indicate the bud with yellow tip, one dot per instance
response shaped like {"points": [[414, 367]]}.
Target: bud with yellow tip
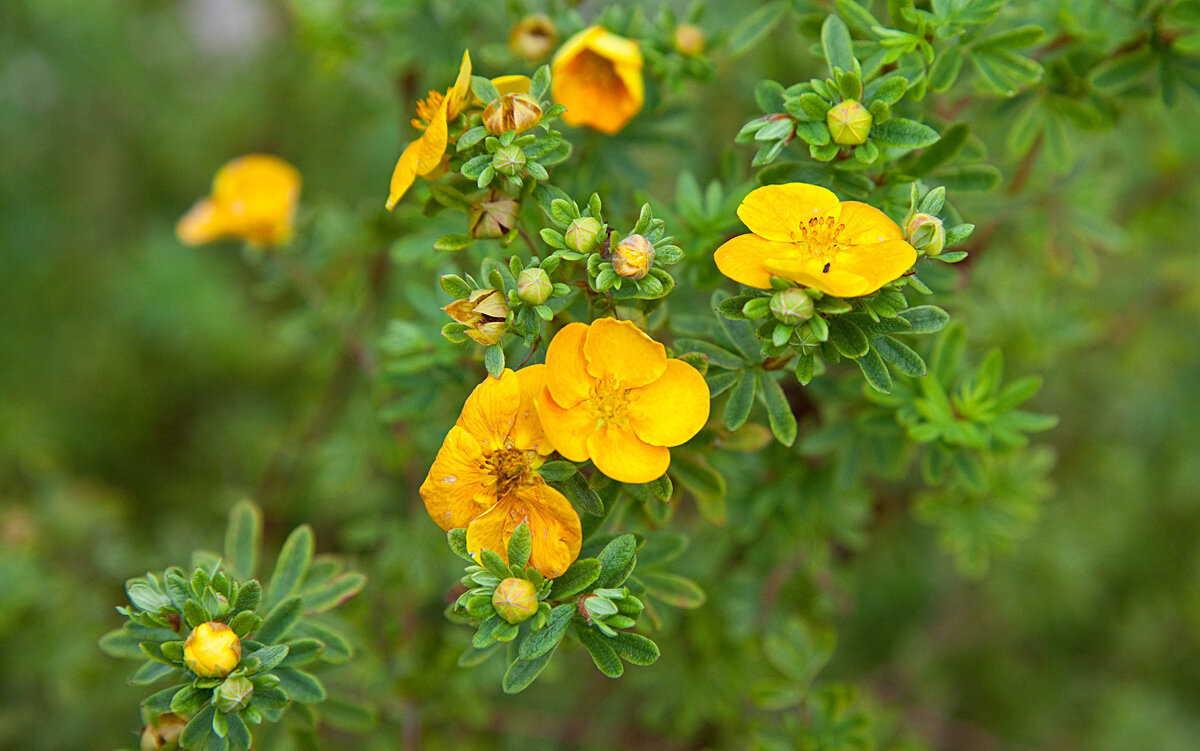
{"points": [[631, 258], [926, 233], [583, 235], [515, 600], [689, 40], [212, 650], [484, 313], [518, 112], [849, 123]]}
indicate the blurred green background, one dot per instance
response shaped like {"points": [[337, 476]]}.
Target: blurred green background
{"points": [[145, 387]]}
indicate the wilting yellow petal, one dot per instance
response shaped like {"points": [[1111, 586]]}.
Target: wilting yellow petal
{"points": [[673, 408], [742, 259], [432, 143], [566, 366], [776, 212], [622, 352], [553, 526], [866, 224], [567, 429], [460, 94], [624, 457], [490, 412], [527, 433], [458, 488]]}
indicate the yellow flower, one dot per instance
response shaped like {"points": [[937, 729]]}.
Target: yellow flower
{"points": [[597, 76], [803, 233], [212, 650], [434, 114], [254, 198], [614, 397], [484, 477]]}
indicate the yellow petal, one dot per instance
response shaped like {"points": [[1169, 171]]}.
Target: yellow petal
{"points": [[810, 271], [490, 412], [458, 489], [624, 457], [621, 351], [527, 433], [567, 429], [673, 408], [404, 174], [742, 258], [515, 84], [566, 366], [775, 212], [203, 223], [432, 143], [866, 224], [458, 96], [553, 526], [597, 76], [576, 44], [878, 263]]}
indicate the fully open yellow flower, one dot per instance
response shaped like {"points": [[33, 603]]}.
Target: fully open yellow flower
{"points": [[254, 198], [803, 233], [597, 76], [485, 475], [613, 396], [434, 114]]}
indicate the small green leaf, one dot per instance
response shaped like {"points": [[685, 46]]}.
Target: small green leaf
{"points": [[875, 372], [805, 369], [521, 673], [520, 545], [484, 89], [545, 639], [242, 538], [899, 354], [495, 565], [635, 648], [302, 652], [300, 686], [265, 658], [279, 620], [835, 41], [902, 133], [848, 338], [579, 576], [672, 589], [741, 400], [617, 560], [925, 319], [198, 728], [493, 360], [291, 566], [605, 657], [754, 27], [451, 242], [783, 422]]}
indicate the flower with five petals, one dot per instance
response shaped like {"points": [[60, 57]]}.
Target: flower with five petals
{"points": [[802, 233]]}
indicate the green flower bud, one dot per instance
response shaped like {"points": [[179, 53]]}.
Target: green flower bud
{"points": [[791, 306], [509, 160], [212, 650], [515, 600], [584, 234], [632, 257], [534, 286], [849, 123], [233, 694], [926, 233]]}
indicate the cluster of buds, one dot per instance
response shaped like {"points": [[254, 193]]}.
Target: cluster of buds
{"points": [[609, 610]]}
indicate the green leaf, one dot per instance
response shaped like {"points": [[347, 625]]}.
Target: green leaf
{"points": [[520, 545], [279, 620], [266, 658], [484, 89], [494, 564], [848, 338], [835, 42], [291, 567], [453, 285], [704, 483], [248, 597], [891, 89], [741, 400], [945, 69], [899, 354], [718, 356], [579, 576], [941, 152], [521, 673], [237, 733], [1123, 71], [151, 672], [457, 540], [925, 319], [300, 686], [672, 589], [1015, 38], [451, 242], [242, 538], [121, 643], [875, 372], [751, 29], [333, 592], [302, 652], [557, 471], [805, 368], [493, 360], [1005, 70], [576, 489], [198, 728], [899, 132], [188, 700], [783, 422], [635, 648], [605, 657], [617, 560], [545, 639]]}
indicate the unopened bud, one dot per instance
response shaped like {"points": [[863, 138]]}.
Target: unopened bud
{"points": [[495, 216], [518, 112], [212, 650], [515, 600], [849, 123], [509, 160], [533, 37], [534, 286], [791, 306], [584, 234], [926, 233], [484, 313], [632, 257], [233, 694], [164, 733], [689, 40]]}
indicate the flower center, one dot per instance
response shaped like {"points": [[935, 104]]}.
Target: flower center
{"points": [[595, 70], [609, 402], [510, 467], [427, 108], [820, 236]]}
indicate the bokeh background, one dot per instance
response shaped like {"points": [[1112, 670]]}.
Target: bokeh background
{"points": [[145, 387]]}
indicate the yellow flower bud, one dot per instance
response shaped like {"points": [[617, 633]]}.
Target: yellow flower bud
{"points": [[534, 286], [791, 306], [849, 123], [533, 37], [584, 234], [632, 257], [515, 600], [485, 314], [233, 694], [926, 232], [212, 650], [518, 112], [163, 733], [494, 217], [689, 40]]}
